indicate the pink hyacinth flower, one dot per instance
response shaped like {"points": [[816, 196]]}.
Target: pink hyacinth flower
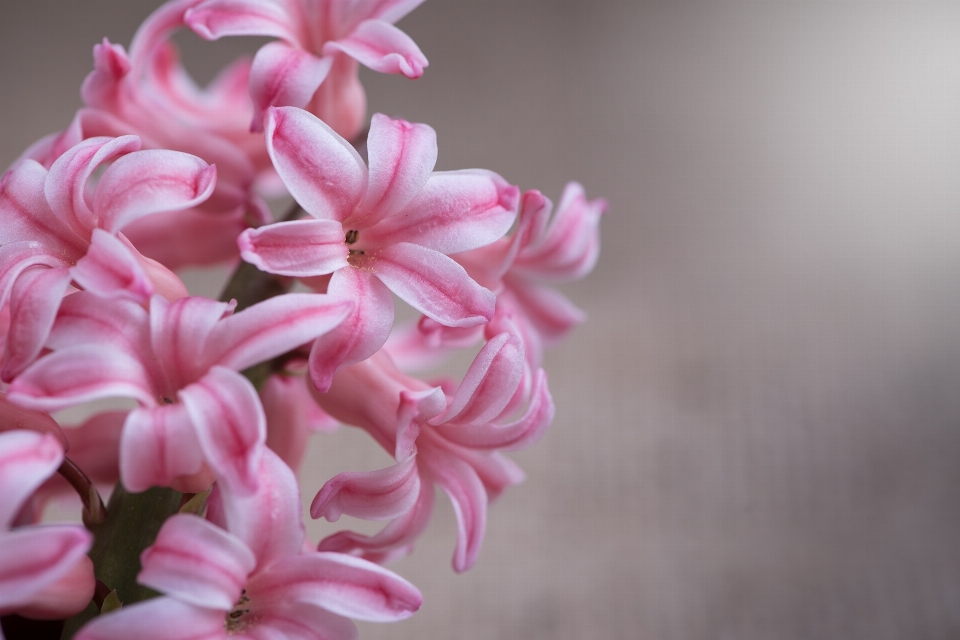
{"points": [[148, 93], [377, 230], [55, 228], [44, 570], [251, 578], [452, 440], [180, 361], [314, 65]]}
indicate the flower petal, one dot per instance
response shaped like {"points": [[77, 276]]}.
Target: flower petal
{"points": [[230, 426], [32, 558], [156, 619], [34, 301], [339, 583], [110, 268], [434, 284], [27, 458], [490, 382], [382, 47], [179, 331], [402, 157], [300, 248], [197, 562], [372, 495], [284, 76], [148, 182], [157, 446], [323, 172], [213, 19], [455, 211], [469, 498]]}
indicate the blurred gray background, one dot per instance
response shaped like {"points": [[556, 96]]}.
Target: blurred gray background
{"points": [[758, 431]]}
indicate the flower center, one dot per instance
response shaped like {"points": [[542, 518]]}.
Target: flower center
{"points": [[239, 619]]}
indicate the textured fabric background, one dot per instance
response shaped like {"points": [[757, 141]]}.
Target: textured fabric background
{"points": [[758, 431]]}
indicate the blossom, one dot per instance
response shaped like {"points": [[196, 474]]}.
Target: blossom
{"points": [[448, 438], [179, 360], [56, 229], [250, 577], [44, 570], [314, 65], [377, 230]]}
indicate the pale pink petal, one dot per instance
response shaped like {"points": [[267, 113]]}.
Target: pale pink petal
{"points": [[415, 407], [382, 47], [13, 417], [186, 238], [197, 562], [298, 621], [33, 558], [518, 434], [361, 334], [341, 101], [213, 19], [399, 534], [70, 594], [548, 310], [179, 333], [27, 458], [455, 211], [230, 426], [434, 285], [34, 301], [339, 583], [66, 183], [489, 383], [110, 65], [323, 172], [496, 471], [25, 215], [284, 76], [372, 495], [72, 376], [157, 446], [268, 521], [460, 482], [149, 182], [87, 318], [300, 248], [111, 268], [95, 446], [157, 619], [402, 157], [286, 407], [18, 257]]}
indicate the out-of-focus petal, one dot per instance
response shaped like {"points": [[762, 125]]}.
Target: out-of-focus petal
{"points": [[402, 157], [323, 172], [68, 595], [361, 334], [34, 301], [148, 182], [469, 498], [230, 426], [299, 621], [339, 583], [284, 76], [434, 284], [214, 19], [353, 13], [13, 418], [286, 406], [548, 310], [157, 446], [197, 562], [300, 248], [372, 495], [455, 211], [27, 458], [33, 558], [179, 331], [382, 47], [157, 619]]}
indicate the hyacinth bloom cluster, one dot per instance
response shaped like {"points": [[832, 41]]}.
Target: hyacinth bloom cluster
{"points": [[154, 174]]}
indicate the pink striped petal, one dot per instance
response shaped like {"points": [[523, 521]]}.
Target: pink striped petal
{"points": [[87, 318], [268, 521], [214, 19], [286, 406], [340, 584], [66, 183], [79, 374], [490, 382], [148, 182], [111, 268], [33, 558], [298, 621], [434, 285], [460, 482], [197, 562], [415, 407], [13, 418], [382, 47], [230, 426], [455, 211], [322, 171], [402, 157], [18, 257], [157, 447], [284, 76], [361, 334], [27, 458], [71, 593], [521, 433], [372, 495], [25, 214], [156, 619], [179, 331], [301, 248], [34, 301]]}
